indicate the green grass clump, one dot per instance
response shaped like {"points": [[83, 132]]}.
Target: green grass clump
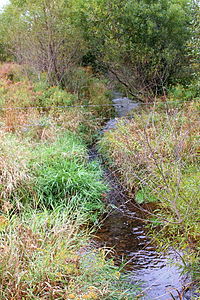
{"points": [[63, 176], [51, 174]]}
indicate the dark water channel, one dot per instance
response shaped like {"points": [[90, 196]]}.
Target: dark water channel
{"points": [[124, 231]]}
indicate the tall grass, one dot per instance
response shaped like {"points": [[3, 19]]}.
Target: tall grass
{"points": [[44, 256], [45, 251], [50, 174], [14, 170]]}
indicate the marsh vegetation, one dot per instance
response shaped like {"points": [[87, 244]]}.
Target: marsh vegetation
{"points": [[60, 62]]}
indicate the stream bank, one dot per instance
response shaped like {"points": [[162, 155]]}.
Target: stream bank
{"points": [[123, 230]]}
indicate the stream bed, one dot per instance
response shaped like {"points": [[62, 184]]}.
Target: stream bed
{"points": [[158, 273]]}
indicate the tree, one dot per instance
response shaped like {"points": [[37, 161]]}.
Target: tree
{"points": [[194, 42], [41, 34], [143, 42]]}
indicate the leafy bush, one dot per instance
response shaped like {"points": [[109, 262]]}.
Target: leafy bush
{"points": [[53, 96], [90, 90], [188, 93]]}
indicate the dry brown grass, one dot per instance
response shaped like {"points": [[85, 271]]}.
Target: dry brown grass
{"points": [[7, 70], [153, 138], [37, 263], [45, 256], [14, 158]]}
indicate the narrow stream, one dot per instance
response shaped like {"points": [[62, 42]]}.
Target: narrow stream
{"points": [[124, 231]]}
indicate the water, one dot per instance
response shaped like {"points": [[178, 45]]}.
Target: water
{"points": [[123, 106], [156, 272], [123, 230]]}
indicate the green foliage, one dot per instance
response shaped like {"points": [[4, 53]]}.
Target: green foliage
{"points": [[53, 96], [90, 90], [143, 43], [144, 196], [181, 93], [147, 45], [194, 42]]}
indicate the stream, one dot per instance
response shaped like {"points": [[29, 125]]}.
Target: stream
{"points": [[158, 273]]}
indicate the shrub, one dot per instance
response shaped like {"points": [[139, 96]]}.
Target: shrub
{"points": [[188, 93], [53, 96], [90, 90]]}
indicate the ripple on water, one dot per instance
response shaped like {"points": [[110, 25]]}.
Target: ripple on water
{"points": [[157, 272]]}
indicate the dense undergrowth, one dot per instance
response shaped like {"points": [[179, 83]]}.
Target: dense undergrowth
{"points": [[50, 194], [156, 155], [38, 103]]}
